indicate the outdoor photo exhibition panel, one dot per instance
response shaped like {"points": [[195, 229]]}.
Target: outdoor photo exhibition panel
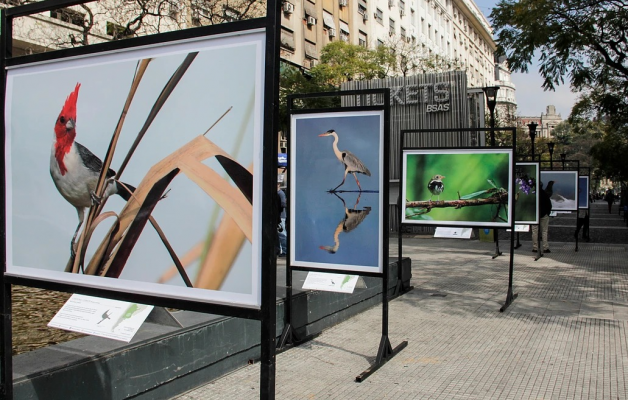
{"points": [[201, 202], [583, 192], [336, 191], [562, 188], [526, 193], [338, 177], [185, 116], [460, 186], [457, 187]]}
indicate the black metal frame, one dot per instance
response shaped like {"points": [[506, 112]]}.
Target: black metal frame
{"points": [[577, 170], [588, 175], [266, 314], [518, 244], [288, 337], [510, 296]]}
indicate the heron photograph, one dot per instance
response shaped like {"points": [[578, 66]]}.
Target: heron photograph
{"points": [[336, 181], [457, 187]]}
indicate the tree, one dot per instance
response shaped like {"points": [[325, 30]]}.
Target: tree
{"points": [[114, 20], [341, 62], [584, 39], [410, 58]]}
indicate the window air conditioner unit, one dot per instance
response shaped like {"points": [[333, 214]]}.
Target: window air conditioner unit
{"points": [[402, 12], [311, 20], [343, 3], [288, 8], [332, 32], [313, 63], [391, 3], [408, 39], [365, 17]]}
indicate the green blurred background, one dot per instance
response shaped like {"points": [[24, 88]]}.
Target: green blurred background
{"points": [[465, 173], [525, 205]]}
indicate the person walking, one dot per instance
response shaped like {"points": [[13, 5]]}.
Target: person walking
{"points": [[281, 223], [545, 207], [610, 199]]}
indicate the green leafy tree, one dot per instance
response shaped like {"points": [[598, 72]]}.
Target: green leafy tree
{"points": [[583, 39], [341, 62]]}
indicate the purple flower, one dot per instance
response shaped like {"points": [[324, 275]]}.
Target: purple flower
{"points": [[526, 185]]}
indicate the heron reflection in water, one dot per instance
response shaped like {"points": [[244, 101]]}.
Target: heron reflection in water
{"points": [[353, 217]]}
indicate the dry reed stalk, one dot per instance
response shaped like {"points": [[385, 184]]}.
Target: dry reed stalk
{"points": [[224, 248], [188, 159], [100, 187], [217, 253]]}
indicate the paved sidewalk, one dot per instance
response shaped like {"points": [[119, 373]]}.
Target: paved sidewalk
{"points": [[564, 337]]}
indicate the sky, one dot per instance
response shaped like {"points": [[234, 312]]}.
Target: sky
{"points": [[532, 99]]}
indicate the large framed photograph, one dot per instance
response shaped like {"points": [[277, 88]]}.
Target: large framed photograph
{"points": [[583, 191], [195, 182], [526, 193], [562, 188], [336, 190], [457, 187]]}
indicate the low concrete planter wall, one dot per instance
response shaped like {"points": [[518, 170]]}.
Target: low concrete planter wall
{"points": [[162, 361]]}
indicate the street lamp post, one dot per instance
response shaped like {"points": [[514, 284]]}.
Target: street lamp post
{"points": [[550, 147], [563, 157], [532, 128], [491, 100]]}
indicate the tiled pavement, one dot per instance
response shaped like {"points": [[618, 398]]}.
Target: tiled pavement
{"points": [[564, 337]]}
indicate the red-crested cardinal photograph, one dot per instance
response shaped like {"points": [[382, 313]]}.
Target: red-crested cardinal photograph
{"points": [[173, 130]]}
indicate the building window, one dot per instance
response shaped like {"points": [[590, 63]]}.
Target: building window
{"points": [[402, 32], [287, 39], [362, 39], [117, 31], [68, 15], [391, 27], [362, 10], [379, 16], [230, 15]]}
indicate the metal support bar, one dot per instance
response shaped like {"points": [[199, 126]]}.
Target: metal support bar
{"points": [[496, 240], [518, 242], [510, 297], [384, 354]]}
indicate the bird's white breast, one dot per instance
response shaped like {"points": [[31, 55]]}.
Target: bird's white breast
{"points": [[78, 182]]}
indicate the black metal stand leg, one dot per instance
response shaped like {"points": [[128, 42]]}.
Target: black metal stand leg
{"points": [[510, 296], [385, 351], [6, 363], [384, 354], [518, 243], [496, 240]]}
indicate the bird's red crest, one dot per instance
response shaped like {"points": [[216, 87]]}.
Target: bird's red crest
{"points": [[65, 138], [69, 108]]}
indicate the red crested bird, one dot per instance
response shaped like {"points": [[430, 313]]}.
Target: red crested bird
{"points": [[352, 164], [75, 169], [436, 186]]}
